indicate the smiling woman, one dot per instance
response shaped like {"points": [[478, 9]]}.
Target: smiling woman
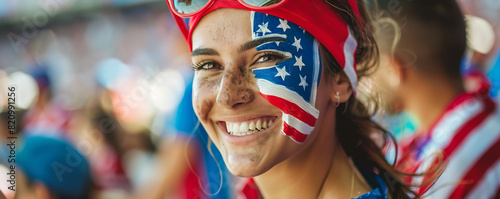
{"points": [[275, 89]]}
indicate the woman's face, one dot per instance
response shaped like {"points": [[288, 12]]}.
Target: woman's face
{"points": [[231, 60]]}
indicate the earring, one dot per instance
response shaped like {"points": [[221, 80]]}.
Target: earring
{"points": [[337, 95]]}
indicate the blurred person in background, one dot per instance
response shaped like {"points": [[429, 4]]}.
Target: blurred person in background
{"points": [[107, 151], [118, 154], [456, 144], [52, 168], [45, 115]]}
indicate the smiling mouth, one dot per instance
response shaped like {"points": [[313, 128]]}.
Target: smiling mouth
{"points": [[248, 127]]}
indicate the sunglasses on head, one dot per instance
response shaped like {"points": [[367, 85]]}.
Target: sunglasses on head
{"points": [[189, 8]]}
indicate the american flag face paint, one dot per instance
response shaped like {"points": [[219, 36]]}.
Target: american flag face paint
{"points": [[290, 85]]}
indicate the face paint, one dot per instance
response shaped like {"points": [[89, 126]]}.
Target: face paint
{"points": [[290, 85]]}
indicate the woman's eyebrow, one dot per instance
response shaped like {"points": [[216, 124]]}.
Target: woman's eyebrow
{"points": [[204, 51], [246, 46], [256, 42]]}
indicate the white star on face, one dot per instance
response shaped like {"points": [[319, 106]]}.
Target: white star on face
{"points": [[297, 43], [298, 62], [283, 25], [303, 82], [282, 72], [263, 28]]}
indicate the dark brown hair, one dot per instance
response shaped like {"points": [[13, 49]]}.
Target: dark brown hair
{"points": [[355, 127]]}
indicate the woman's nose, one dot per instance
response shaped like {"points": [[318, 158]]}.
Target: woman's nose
{"points": [[235, 89]]}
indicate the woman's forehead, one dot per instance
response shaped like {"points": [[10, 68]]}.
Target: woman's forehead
{"points": [[222, 26]]}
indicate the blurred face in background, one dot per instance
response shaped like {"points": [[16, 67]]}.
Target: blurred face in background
{"points": [[226, 97]]}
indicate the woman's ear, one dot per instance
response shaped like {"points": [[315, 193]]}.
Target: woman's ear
{"points": [[341, 87]]}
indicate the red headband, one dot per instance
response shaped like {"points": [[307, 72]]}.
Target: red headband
{"points": [[315, 16]]}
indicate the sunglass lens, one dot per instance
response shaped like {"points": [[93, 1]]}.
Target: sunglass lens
{"points": [[261, 3], [189, 6]]}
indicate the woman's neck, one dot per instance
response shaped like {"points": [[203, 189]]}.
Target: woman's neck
{"points": [[321, 170]]}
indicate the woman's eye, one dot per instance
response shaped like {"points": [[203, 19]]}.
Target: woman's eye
{"points": [[264, 58], [270, 56], [206, 66]]}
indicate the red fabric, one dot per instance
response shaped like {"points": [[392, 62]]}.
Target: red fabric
{"points": [[409, 147], [250, 190], [461, 135], [457, 101], [192, 187], [477, 172], [412, 160]]}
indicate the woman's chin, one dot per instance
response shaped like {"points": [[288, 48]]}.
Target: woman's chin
{"points": [[246, 172], [246, 167]]}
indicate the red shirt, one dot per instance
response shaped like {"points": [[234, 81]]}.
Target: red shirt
{"points": [[461, 150]]}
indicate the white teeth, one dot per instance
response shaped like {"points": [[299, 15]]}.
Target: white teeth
{"points": [[236, 128], [246, 128], [243, 127], [251, 126], [258, 125]]}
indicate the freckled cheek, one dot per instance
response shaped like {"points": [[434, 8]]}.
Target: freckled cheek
{"points": [[204, 93]]}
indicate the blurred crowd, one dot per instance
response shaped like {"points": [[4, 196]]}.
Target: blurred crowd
{"points": [[106, 93]]}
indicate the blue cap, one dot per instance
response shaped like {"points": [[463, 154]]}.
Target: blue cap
{"points": [[55, 163]]}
